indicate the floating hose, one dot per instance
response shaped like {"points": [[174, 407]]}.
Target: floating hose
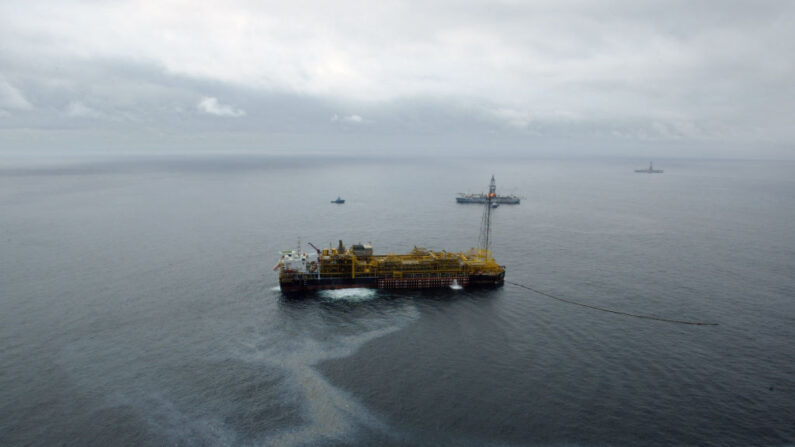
{"points": [[647, 317]]}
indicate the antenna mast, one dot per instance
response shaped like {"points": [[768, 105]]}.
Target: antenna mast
{"points": [[484, 241]]}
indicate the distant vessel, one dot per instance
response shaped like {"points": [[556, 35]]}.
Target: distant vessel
{"points": [[492, 198], [358, 266], [339, 200], [651, 170]]}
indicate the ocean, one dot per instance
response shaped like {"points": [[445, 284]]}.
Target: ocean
{"points": [[138, 305]]}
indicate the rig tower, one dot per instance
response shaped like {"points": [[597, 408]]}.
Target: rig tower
{"points": [[484, 240]]}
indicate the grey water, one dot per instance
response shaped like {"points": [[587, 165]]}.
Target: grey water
{"points": [[138, 305]]}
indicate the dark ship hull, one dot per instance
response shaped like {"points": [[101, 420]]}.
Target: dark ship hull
{"points": [[304, 284]]}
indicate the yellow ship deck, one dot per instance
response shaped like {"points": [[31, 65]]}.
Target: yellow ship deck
{"points": [[359, 262]]}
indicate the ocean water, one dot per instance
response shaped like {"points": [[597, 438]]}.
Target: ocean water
{"points": [[138, 305]]}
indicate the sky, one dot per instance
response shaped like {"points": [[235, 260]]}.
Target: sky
{"points": [[646, 79]]}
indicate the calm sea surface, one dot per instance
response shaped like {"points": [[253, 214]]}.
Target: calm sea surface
{"points": [[138, 305]]}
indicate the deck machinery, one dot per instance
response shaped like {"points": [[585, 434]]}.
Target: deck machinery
{"points": [[357, 266]]}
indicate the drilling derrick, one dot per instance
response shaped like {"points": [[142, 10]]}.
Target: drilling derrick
{"points": [[484, 240]]}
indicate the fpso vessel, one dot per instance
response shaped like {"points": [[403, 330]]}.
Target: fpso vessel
{"points": [[357, 266]]}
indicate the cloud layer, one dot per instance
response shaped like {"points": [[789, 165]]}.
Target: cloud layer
{"points": [[213, 107], [517, 75]]}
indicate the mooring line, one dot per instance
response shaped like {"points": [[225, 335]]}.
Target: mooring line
{"points": [[648, 317]]}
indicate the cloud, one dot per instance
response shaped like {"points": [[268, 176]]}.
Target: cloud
{"points": [[211, 106], [512, 117], [348, 119], [77, 109], [12, 98], [428, 75]]}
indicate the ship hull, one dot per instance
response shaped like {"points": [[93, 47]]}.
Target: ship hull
{"points": [[301, 285]]}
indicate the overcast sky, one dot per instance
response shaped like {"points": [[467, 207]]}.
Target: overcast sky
{"points": [[531, 78]]}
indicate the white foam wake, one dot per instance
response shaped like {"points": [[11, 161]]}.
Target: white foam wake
{"points": [[357, 294]]}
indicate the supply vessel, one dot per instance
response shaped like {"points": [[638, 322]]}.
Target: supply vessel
{"points": [[358, 266]]}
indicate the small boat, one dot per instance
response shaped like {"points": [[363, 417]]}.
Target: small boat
{"points": [[495, 204], [339, 200]]}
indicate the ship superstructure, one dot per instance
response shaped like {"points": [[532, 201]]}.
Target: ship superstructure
{"points": [[358, 266]]}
